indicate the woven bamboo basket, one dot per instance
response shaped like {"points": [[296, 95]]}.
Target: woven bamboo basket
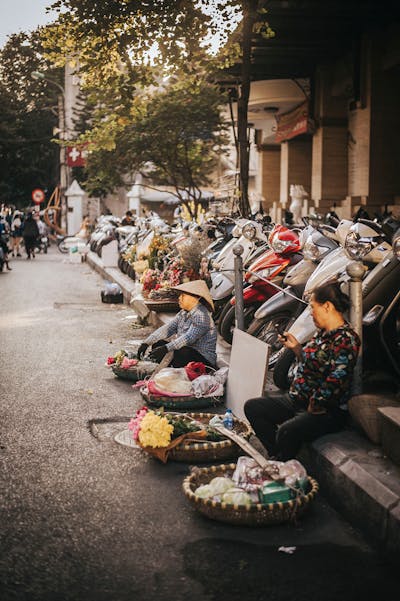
{"points": [[162, 306], [180, 403], [257, 514], [133, 373], [363, 408], [202, 451]]}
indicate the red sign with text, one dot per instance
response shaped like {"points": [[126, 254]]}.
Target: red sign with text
{"points": [[292, 124]]}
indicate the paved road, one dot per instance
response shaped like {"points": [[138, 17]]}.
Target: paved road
{"points": [[82, 517]]}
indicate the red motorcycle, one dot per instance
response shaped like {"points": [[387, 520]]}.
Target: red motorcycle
{"points": [[272, 266]]}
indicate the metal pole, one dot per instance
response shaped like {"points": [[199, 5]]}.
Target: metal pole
{"points": [[356, 270], [63, 161], [239, 304]]}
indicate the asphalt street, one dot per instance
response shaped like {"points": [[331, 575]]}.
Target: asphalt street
{"points": [[82, 517]]}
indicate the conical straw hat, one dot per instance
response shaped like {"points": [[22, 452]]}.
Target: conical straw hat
{"points": [[197, 288]]}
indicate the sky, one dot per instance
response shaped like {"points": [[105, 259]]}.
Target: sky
{"points": [[22, 15]]}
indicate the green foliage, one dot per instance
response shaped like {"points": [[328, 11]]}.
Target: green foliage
{"points": [[28, 158]]}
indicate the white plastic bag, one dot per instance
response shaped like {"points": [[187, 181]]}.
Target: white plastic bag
{"points": [[207, 386], [172, 379]]}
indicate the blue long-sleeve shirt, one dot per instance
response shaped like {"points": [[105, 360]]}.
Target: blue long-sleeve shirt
{"points": [[193, 328]]}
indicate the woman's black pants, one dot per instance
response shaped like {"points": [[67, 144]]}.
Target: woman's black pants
{"points": [[282, 428], [184, 355]]}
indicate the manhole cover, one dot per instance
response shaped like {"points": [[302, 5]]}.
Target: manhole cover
{"points": [[105, 429], [125, 438]]}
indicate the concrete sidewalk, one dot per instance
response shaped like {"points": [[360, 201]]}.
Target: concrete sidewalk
{"points": [[354, 475]]}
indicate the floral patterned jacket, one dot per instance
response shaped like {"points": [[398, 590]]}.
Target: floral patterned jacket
{"points": [[323, 378]]}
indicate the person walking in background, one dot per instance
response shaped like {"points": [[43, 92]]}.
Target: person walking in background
{"points": [[316, 402], [30, 234], [16, 232]]}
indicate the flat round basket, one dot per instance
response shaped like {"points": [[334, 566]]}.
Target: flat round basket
{"points": [[162, 306], [201, 451], [257, 514], [179, 403], [133, 373]]}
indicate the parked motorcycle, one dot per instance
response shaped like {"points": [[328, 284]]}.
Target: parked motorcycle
{"points": [[280, 311], [251, 237], [267, 270], [364, 241]]}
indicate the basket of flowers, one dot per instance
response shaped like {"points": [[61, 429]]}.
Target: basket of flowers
{"points": [[126, 366], [219, 493], [162, 299], [183, 437]]}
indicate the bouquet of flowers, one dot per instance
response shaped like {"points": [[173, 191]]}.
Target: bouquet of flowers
{"points": [[158, 248], [158, 432], [150, 280]]}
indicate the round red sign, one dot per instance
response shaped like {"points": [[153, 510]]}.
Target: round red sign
{"points": [[37, 196]]}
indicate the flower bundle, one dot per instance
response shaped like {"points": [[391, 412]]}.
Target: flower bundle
{"points": [[157, 429], [117, 358], [149, 280], [151, 429]]}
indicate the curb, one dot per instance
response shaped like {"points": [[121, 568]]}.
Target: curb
{"points": [[357, 479]]}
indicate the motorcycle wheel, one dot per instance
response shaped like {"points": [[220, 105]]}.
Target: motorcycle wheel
{"points": [[45, 249], [124, 266], [227, 324], [283, 370], [131, 272], [266, 331], [120, 259], [93, 245], [62, 247], [222, 314]]}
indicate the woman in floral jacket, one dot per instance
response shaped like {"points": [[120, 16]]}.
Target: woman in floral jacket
{"points": [[316, 401]]}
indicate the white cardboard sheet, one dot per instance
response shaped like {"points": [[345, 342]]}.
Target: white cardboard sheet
{"points": [[247, 371]]}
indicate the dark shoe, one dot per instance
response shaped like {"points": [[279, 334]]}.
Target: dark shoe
{"points": [[8, 267], [33, 255], [19, 255]]}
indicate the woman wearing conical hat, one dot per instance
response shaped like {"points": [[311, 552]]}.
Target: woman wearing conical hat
{"points": [[191, 334]]}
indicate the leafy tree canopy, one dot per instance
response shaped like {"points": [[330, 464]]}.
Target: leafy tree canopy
{"points": [[28, 158]]}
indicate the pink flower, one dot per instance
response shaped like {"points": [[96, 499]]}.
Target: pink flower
{"points": [[110, 360], [134, 424]]}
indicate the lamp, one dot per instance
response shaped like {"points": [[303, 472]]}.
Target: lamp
{"points": [[38, 75]]}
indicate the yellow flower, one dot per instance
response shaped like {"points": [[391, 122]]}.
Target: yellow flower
{"points": [[155, 431]]}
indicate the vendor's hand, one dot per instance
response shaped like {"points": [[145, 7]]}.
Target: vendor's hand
{"points": [[141, 350], [290, 342], [158, 353]]}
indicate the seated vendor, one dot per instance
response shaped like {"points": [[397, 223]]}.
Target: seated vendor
{"points": [[316, 401], [193, 328]]}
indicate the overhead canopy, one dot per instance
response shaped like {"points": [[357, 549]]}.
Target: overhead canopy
{"points": [[311, 32]]}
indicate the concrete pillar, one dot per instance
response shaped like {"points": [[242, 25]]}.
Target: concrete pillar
{"points": [[329, 153], [270, 175], [134, 197], [74, 196], [295, 166]]}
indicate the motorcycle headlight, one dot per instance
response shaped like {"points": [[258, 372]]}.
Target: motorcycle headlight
{"points": [[311, 251], [357, 248], [396, 247], [249, 231], [279, 246], [264, 273]]}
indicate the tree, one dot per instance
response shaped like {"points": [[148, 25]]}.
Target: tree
{"points": [[28, 157], [176, 136], [111, 41]]}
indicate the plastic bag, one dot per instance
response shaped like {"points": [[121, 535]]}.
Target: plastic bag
{"points": [[207, 386], [174, 380]]}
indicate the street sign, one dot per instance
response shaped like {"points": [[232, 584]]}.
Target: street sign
{"points": [[37, 196]]}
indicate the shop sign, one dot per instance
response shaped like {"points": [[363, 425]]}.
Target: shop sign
{"points": [[293, 123]]}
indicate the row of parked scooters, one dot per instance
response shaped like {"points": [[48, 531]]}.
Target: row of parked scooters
{"points": [[282, 265]]}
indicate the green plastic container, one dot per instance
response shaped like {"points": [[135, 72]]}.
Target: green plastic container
{"points": [[274, 492]]}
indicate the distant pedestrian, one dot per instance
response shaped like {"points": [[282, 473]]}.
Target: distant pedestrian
{"points": [[128, 219], [16, 233], [30, 235]]}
